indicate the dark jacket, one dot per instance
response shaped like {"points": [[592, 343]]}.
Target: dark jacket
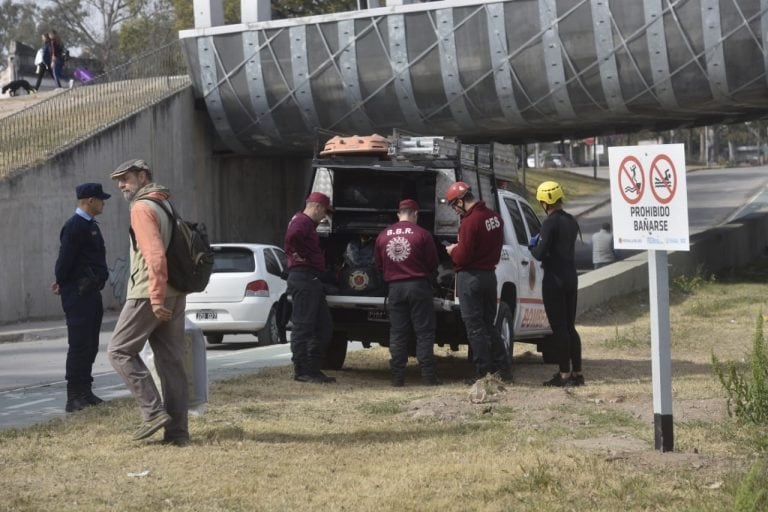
{"points": [[556, 249], [301, 238], [82, 253]]}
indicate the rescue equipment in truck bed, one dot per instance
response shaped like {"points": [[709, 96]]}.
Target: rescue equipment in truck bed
{"points": [[356, 144]]}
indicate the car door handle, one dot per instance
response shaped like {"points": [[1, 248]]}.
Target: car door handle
{"points": [[524, 262]]}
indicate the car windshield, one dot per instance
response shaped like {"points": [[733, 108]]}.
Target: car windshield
{"points": [[233, 259]]}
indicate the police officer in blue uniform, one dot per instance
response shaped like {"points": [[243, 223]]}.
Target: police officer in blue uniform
{"points": [[81, 272]]}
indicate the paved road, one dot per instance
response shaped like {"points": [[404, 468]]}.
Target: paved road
{"points": [[32, 388], [715, 197]]}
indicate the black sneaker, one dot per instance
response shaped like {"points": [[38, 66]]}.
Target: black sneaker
{"points": [[92, 399], [315, 378], [398, 383], [505, 377], [576, 380], [432, 380], [557, 381]]}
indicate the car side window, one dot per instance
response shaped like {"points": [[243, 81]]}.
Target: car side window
{"points": [[283, 259], [517, 220], [534, 224], [273, 267]]}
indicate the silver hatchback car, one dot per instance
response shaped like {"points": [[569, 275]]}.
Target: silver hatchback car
{"points": [[242, 295]]}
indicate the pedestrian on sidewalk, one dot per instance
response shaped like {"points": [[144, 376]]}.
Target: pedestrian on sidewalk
{"points": [[407, 258], [311, 318], [602, 247], [475, 256], [81, 272], [153, 311], [555, 247]]}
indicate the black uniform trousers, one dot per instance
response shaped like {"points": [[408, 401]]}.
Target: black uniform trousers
{"points": [[411, 311], [477, 301], [560, 306], [84, 314], [311, 318]]}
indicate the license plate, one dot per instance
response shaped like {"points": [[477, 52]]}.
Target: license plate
{"points": [[378, 316], [206, 315]]}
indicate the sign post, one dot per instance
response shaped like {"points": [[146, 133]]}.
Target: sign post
{"points": [[649, 209]]}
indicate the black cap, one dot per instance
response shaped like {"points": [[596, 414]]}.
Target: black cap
{"points": [[87, 190]]}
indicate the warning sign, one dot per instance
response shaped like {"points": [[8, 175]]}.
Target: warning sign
{"points": [[641, 220]]}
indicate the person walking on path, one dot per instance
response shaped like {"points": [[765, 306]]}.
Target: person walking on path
{"points": [[555, 246], [43, 61], [312, 326], [407, 257], [56, 56], [153, 311], [481, 236], [602, 247], [81, 271]]}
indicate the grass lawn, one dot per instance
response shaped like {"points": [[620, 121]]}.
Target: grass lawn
{"points": [[269, 443]]}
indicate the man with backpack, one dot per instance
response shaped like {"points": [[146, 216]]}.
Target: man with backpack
{"points": [[154, 311]]}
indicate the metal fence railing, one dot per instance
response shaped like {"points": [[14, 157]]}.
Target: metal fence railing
{"points": [[70, 116]]}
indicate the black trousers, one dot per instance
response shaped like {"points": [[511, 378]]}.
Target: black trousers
{"points": [[477, 301], [560, 305], [411, 312], [312, 326], [84, 315]]}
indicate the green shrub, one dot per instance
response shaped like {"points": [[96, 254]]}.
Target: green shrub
{"points": [[752, 495], [688, 284], [747, 395]]}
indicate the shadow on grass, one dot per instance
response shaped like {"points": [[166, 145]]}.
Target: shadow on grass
{"points": [[346, 438]]}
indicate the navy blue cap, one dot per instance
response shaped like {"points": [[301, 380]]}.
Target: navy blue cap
{"points": [[87, 190]]}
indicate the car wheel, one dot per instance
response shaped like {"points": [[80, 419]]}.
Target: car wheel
{"points": [[214, 339], [505, 326], [270, 334], [337, 352]]}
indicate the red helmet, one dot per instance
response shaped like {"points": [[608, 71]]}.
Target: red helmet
{"points": [[456, 191]]}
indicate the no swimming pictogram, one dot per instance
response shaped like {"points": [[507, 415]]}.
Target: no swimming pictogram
{"points": [[663, 179], [631, 179]]}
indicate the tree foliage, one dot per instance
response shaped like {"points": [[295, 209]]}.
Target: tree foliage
{"points": [[17, 23], [93, 24]]}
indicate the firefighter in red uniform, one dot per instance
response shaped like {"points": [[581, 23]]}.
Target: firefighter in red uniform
{"points": [[481, 235], [407, 257]]}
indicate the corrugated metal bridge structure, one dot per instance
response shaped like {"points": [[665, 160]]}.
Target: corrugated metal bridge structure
{"points": [[511, 71]]}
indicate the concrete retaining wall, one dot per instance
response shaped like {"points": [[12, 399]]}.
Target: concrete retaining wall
{"points": [[731, 246], [255, 198]]}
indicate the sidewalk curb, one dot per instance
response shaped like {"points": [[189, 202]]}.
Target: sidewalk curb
{"points": [[47, 333], [592, 208]]}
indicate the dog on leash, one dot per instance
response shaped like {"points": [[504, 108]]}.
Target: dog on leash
{"points": [[13, 87]]}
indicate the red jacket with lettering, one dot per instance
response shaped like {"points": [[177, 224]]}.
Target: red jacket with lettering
{"points": [[405, 250], [481, 235]]}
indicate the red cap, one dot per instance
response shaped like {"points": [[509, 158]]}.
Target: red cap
{"points": [[322, 199], [408, 204]]}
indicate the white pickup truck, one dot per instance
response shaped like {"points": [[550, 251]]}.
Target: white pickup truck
{"points": [[366, 189]]}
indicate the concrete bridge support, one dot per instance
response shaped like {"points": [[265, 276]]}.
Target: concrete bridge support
{"points": [[239, 198]]}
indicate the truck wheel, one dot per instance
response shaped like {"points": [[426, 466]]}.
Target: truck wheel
{"points": [[337, 352], [505, 325], [214, 339], [270, 334]]}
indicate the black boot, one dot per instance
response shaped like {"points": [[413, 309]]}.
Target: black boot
{"points": [[429, 377], [91, 398], [76, 400]]}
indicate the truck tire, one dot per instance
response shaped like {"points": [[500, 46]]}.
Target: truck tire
{"points": [[270, 334], [214, 339], [505, 326], [337, 352]]}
